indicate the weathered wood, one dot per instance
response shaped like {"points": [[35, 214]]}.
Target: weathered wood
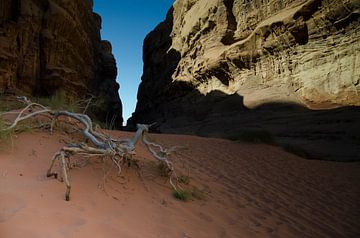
{"points": [[102, 145]]}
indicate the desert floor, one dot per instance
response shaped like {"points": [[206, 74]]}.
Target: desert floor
{"points": [[247, 190]]}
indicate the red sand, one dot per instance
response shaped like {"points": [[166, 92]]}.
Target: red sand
{"points": [[252, 191]]}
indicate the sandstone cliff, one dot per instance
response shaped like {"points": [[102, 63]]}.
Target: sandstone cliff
{"points": [[210, 63], [52, 45]]}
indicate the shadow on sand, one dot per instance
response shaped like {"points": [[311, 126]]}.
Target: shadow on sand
{"points": [[332, 134]]}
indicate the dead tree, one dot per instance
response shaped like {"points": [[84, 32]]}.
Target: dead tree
{"points": [[100, 144]]}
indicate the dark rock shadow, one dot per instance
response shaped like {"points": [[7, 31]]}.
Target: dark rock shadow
{"points": [[177, 107], [160, 63], [332, 134]]}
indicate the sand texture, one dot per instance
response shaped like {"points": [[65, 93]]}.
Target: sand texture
{"points": [[250, 190]]}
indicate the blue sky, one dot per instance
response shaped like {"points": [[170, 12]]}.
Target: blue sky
{"points": [[125, 24]]}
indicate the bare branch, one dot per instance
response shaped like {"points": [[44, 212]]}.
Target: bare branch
{"points": [[102, 146]]}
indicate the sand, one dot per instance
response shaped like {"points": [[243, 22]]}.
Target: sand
{"points": [[251, 190]]}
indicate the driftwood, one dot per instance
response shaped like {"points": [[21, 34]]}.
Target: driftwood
{"points": [[100, 144]]}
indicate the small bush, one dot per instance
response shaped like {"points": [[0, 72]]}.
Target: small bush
{"points": [[183, 179], [9, 105], [182, 195], [5, 135], [23, 128], [187, 194], [59, 101], [253, 136]]}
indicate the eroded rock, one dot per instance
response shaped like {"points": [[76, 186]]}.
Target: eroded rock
{"points": [[52, 45], [210, 62]]}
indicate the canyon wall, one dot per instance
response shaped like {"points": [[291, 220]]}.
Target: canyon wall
{"points": [[215, 67], [47, 46]]}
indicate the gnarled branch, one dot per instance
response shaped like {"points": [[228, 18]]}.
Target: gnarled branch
{"points": [[102, 145]]}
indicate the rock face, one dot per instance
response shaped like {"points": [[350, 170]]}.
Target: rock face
{"points": [[210, 63], [52, 45]]}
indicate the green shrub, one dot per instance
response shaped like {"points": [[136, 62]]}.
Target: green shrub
{"points": [[5, 135], [187, 194], [182, 195], [22, 128], [9, 105], [59, 101], [183, 179]]}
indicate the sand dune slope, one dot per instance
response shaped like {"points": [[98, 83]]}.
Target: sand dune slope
{"points": [[251, 190]]}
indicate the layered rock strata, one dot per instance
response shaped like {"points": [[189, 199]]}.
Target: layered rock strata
{"points": [[212, 62], [48, 46]]}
